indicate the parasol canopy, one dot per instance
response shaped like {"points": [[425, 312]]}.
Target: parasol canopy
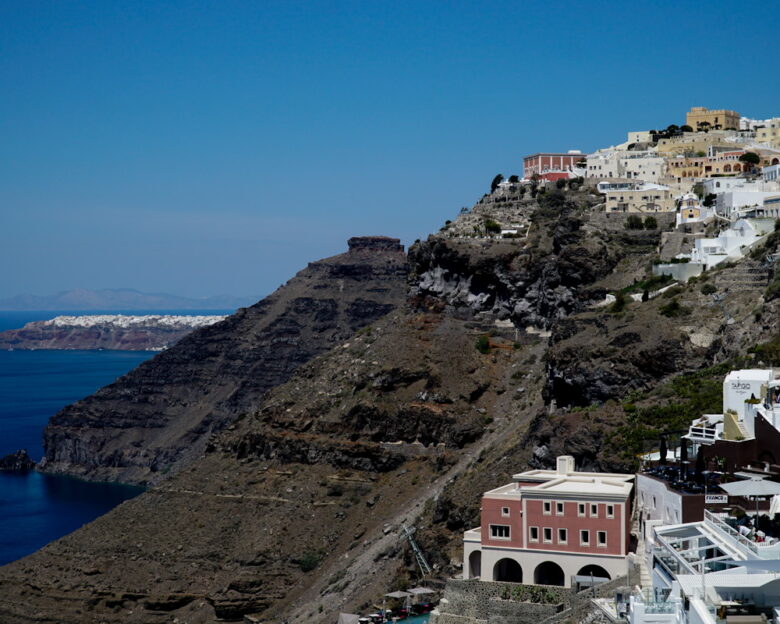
{"points": [[398, 594], [751, 487], [419, 591]]}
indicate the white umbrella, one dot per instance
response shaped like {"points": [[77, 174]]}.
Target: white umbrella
{"points": [[398, 594], [348, 618], [752, 487], [774, 506], [419, 591]]}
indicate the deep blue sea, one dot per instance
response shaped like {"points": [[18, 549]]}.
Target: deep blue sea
{"points": [[35, 508]]}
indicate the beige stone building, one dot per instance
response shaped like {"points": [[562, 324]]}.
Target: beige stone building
{"points": [[769, 133], [644, 199], [693, 142], [715, 119]]}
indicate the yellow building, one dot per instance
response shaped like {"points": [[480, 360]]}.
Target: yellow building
{"points": [[715, 119], [651, 198], [692, 142], [770, 133]]}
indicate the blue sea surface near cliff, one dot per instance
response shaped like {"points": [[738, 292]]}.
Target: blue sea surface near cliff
{"points": [[37, 508]]}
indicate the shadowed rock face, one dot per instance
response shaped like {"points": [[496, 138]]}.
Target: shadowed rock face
{"points": [[158, 417]]}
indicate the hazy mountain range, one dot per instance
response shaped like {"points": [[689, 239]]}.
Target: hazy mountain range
{"points": [[106, 299]]}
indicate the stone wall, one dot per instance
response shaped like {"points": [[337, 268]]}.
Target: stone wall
{"points": [[479, 602]]}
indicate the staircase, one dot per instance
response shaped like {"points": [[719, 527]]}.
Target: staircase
{"points": [[641, 559], [745, 276]]}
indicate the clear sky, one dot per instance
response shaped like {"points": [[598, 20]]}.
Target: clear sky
{"points": [[200, 148]]}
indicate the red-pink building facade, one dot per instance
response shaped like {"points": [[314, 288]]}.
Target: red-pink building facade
{"points": [[549, 526], [538, 164]]}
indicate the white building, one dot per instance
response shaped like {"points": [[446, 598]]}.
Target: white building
{"points": [[747, 394], [707, 572], [647, 166], [771, 174], [732, 243]]}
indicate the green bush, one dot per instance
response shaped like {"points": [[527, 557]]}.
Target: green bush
{"points": [[492, 226], [651, 223], [634, 222], [708, 289], [309, 560], [483, 344], [620, 303], [674, 309]]}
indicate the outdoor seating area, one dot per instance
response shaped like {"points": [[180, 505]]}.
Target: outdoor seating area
{"points": [[411, 606], [686, 480]]}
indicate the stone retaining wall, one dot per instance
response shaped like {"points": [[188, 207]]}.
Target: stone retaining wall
{"points": [[480, 602]]}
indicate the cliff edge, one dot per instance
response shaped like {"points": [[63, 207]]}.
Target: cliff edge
{"points": [[157, 418]]}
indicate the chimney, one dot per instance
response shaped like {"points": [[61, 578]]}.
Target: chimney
{"points": [[565, 465]]}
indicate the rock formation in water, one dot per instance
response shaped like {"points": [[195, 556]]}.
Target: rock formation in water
{"points": [[149, 332], [17, 462], [159, 416]]}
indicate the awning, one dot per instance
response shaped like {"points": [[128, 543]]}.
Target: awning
{"points": [[398, 594], [419, 591]]}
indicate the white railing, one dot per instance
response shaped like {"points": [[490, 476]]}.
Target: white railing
{"points": [[730, 531]]}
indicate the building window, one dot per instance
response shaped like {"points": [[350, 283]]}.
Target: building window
{"points": [[594, 511], [562, 536], [505, 511], [601, 537], [547, 535], [499, 531], [584, 537], [581, 509], [559, 509], [610, 511], [534, 534], [547, 510]]}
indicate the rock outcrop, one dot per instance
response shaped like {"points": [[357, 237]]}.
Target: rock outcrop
{"points": [[17, 462], [158, 417]]}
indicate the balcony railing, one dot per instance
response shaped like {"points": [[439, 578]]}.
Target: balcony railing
{"points": [[731, 532]]}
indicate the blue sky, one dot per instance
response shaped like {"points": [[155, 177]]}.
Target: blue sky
{"points": [[200, 148]]}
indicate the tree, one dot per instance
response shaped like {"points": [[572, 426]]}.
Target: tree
{"points": [[651, 223], [703, 126], [492, 227], [662, 451], [686, 128], [672, 129], [750, 158], [634, 222], [645, 295], [709, 200], [496, 181], [513, 179]]}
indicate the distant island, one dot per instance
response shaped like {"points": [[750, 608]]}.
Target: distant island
{"points": [[120, 299], [151, 332]]}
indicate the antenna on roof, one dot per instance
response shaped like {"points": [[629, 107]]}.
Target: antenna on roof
{"points": [[421, 561]]}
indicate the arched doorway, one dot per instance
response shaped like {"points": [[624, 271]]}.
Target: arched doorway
{"points": [[596, 571], [548, 573], [475, 564], [508, 570]]}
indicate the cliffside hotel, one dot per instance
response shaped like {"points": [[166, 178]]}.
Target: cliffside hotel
{"points": [[549, 526]]}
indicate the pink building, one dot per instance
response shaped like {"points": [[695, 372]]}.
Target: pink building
{"points": [[551, 525], [538, 164]]}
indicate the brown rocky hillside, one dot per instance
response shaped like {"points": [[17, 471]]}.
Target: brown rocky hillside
{"points": [[498, 360]]}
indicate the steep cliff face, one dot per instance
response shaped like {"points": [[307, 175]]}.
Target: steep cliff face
{"points": [[294, 510], [534, 279], [159, 417]]}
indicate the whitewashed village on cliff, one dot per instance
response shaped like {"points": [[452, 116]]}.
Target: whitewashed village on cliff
{"points": [[692, 537]]}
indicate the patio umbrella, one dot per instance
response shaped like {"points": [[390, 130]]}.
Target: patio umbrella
{"points": [[752, 488], [419, 591], [398, 594]]}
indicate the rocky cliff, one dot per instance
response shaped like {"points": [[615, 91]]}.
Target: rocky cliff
{"points": [[159, 416], [120, 332], [294, 510]]}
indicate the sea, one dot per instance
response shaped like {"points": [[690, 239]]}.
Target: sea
{"points": [[35, 508]]}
